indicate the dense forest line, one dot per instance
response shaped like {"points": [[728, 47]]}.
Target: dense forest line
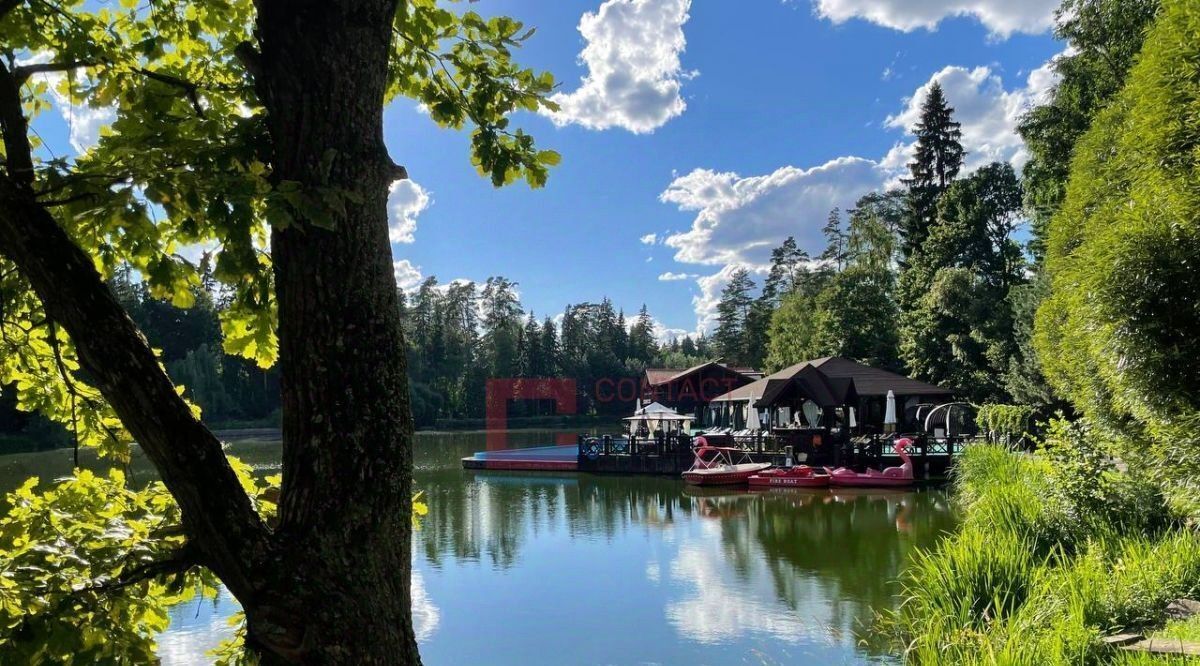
{"points": [[458, 334]]}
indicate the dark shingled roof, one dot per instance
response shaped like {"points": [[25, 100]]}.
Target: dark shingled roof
{"points": [[657, 376], [868, 381], [810, 382]]}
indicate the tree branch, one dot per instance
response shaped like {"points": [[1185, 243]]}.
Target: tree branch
{"points": [[180, 561], [18, 153], [22, 73], [189, 88], [217, 513]]}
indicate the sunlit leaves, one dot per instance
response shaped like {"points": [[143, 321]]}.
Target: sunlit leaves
{"points": [[1117, 333], [64, 551], [87, 567], [38, 361], [460, 67]]}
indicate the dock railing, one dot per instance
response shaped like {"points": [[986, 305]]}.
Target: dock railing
{"points": [[672, 453]]}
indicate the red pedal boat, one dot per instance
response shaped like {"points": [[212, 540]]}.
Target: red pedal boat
{"points": [[716, 466], [800, 476], [892, 477]]}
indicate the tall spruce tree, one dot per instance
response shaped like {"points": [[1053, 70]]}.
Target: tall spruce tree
{"points": [[936, 162], [548, 364], [642, 346], [834, 254], [733, 310]]}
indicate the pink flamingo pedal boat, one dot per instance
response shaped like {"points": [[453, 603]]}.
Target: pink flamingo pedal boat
{"points": [[800, 476], [892, 477], [715, 466]]}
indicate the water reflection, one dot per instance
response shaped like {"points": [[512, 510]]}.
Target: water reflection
{"points": [[788, 576], [546, 568]]}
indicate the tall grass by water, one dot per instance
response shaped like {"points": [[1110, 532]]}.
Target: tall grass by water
{"points": [[1045, 564]]}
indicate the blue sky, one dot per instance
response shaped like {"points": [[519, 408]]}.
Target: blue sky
{"points": [[774, 92], [697, 135]]}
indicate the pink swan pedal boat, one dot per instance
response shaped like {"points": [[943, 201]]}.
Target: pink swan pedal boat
{"points": [[892, 477], [800, 476]]}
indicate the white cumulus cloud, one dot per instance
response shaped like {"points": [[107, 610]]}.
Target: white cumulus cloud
{"points": [[406, 200], [408, 277], [1001, 17], [648, 239], [739, 220], [672, 277], [634, 73]]}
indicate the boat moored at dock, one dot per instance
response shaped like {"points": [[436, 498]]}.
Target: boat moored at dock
{"points": [[800, 476], [718, 466]]}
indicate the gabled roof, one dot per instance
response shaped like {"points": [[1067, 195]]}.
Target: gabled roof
{"points": [[813, 384], [874, 381], [868, 381], [658, 376], [655, 376]]}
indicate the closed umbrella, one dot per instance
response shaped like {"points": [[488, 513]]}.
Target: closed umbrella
{"points": [[752, 420], [889, 415], [811, 413]]}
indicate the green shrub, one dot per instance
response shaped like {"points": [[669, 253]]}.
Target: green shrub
{"points": [[1116, 335], [1009, 424], [1084, 475]]}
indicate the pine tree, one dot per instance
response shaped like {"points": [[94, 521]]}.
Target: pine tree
{"points": [[733, 310], [620, 339], [502, 325], [938, 158], [789, 264], [835, 241], [688, 346], [642, 346], [530, 348], [549, 362]]}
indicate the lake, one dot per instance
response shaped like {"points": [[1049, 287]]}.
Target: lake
{"points": [[542, 568]]}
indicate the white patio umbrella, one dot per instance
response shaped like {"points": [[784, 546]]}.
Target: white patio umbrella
{"points": [[853, 421], [889, 414]]}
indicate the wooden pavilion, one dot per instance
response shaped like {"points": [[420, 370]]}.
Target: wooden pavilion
{"points": [[689, 391]]}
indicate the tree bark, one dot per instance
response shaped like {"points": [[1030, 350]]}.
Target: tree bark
{"points": [[346, 503]]}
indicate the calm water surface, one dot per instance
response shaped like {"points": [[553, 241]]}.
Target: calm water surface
{"points": [[525, 568]]}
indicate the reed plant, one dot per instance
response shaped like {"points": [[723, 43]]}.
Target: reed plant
{"points": [[1036, 575]]}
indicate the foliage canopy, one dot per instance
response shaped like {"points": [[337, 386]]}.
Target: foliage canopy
{"points": [[1117, 332]]}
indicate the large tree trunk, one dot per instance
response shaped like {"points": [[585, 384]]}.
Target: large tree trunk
{"points": [[345, 512]]}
